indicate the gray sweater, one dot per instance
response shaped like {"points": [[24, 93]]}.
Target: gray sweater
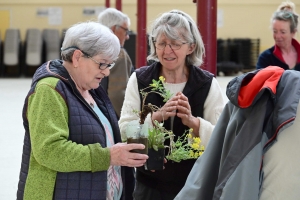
{"points": [[117, 80]]}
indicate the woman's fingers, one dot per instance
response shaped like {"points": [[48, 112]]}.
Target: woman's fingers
{"points": [[184, 110], [120, 155], [169, 109]]}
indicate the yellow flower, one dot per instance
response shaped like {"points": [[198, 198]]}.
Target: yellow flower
{"points": [[197, 140], [162, 79], [202, 148], [195, 146], [186, 147]]}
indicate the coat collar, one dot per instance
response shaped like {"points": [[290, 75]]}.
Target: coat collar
{"points": [[277, 52]]}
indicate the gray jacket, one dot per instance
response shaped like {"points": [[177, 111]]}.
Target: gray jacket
{"points": [[261, 104]]}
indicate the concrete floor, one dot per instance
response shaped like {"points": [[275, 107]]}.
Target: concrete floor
{"points": [[12, 95]]}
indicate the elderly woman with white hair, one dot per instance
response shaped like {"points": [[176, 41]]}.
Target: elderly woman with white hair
{"points": [[72, 146], [177, 50]]}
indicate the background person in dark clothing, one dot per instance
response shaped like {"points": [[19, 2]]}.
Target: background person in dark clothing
{"points": [[286, 51]]}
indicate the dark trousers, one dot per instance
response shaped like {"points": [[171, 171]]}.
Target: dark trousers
{"points": [[142, 192]]}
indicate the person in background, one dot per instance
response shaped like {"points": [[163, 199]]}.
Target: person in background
{"points": [[72, 146], [286, 51], [197, 102], [116, 83]]}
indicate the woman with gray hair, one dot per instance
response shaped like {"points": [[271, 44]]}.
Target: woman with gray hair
{"points": [[72, 146], [286, 51], [197, 102]]}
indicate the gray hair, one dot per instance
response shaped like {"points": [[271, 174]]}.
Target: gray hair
{"points": [[176, 25], [111, 17], [92, 38], [285, 12]]}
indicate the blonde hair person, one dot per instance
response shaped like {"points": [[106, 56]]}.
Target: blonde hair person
{"points": [[176, 49], [72, 146], [286, 51]]}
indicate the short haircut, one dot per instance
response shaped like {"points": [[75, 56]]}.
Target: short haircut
{"points": [[111, 17], [92, 38]]}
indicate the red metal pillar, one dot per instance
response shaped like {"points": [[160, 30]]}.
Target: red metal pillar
{"points": [[119, 5], [207, 24], [141, 38], [107, 3]]}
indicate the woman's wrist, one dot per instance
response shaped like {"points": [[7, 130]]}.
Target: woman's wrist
{"points": [[195, 125], [157, 115]]}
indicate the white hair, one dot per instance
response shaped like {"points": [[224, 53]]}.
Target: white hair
{"points": [[92, 38], [111, 17], [176, 25]]}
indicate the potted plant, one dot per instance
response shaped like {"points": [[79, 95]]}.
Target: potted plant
{"points": [[185, 147], [156, 146], [137, 133], [153, 138]]}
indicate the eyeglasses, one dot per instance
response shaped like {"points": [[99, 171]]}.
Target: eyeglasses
{"points": [[102, 66], [125, 29], [173, 46]]}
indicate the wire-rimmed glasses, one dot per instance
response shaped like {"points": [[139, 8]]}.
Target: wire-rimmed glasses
{"points": [[125, 29], [102, 66], [173, 46]]}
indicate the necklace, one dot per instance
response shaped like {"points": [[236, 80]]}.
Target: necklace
{"points": [[91, 102]]}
